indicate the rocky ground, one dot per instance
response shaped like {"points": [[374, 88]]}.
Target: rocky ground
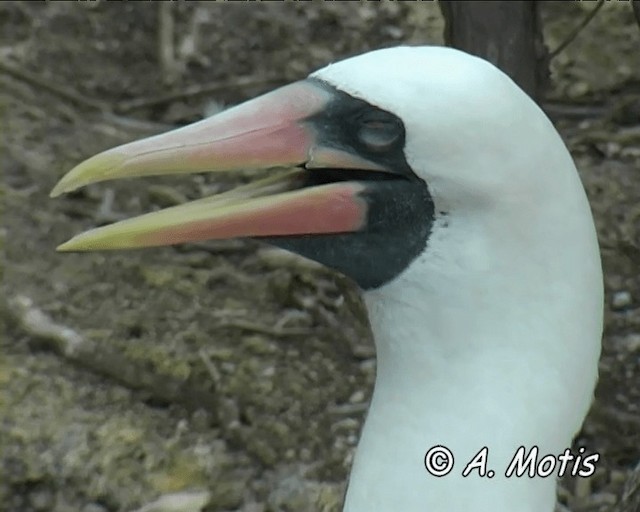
{"points": [[230, 376]]}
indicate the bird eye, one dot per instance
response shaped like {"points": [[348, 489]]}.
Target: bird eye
{"points": [[379, 134]]}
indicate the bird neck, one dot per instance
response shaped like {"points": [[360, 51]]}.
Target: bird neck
{"points": [[474, 357]]}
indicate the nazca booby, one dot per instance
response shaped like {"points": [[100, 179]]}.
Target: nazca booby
{"points": [[432, 180]]}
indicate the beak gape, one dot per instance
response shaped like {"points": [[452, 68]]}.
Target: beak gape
{"points": [[277, 132]]}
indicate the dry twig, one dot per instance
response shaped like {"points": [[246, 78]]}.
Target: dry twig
{"points": [[124, 107], [587, 19], [65, 93], [265, 329], [194, 91]]}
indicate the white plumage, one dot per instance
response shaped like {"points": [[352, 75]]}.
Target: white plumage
{"points": [[491, 337]]}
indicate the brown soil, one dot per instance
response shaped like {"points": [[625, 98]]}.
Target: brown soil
{"points": [[229, 371]]}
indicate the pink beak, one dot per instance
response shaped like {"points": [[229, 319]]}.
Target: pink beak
{"points": [[275, 132]]}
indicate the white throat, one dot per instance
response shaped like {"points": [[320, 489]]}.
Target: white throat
{"points": [[483, 341]]}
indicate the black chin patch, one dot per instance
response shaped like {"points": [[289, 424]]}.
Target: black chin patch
{"points": [[398, 227], [400, 211]]}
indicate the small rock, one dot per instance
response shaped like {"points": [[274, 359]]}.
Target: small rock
{"points": [[393, 32], [346, 424], [357, 397], [186, 501], [621, 300], [297, 493], [630, 342]]}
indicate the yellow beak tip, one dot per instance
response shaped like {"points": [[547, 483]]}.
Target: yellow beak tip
{"points": [[56, 191], [66, 184], [103, 166], [65, 247]]}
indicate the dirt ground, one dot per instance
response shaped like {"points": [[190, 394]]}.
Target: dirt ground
{"points": [[230, 376]]}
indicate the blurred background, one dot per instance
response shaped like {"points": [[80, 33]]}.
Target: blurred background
{"points": [[229, 375]]}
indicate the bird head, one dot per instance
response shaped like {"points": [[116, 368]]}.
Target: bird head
{"points": [[359, 161]]}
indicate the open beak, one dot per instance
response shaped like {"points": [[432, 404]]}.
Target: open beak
{"points": [[309, 191]]}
